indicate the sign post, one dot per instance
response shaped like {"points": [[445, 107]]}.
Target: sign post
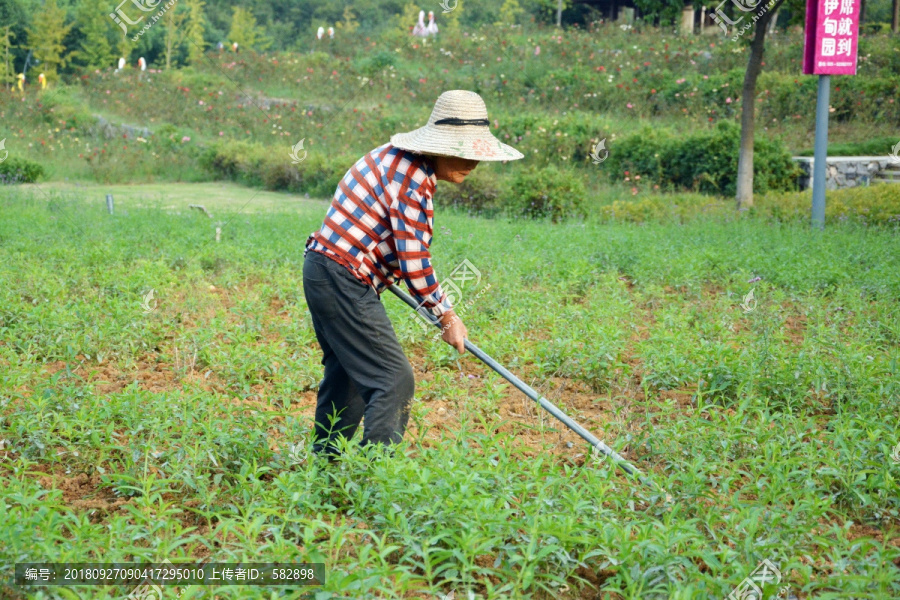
{"points": [[830, 48]]}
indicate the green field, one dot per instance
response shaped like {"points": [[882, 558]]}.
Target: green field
{"points": [[177, 427]]}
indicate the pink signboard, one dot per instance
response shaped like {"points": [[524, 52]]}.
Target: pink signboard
{"points": [[832, 32]]}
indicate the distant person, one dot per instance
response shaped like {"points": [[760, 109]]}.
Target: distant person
{"points": [[220, 47], [420, 30], [331, 32], [320, 33], [377, 230], [43, 81], [21, 82], [234, 47], [142, 64], [432, 28]]}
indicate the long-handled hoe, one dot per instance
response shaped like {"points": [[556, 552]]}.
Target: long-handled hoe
{"points": [[543, 402]]}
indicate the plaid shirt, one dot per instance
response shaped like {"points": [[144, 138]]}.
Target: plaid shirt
{"points": [[380, 223]]}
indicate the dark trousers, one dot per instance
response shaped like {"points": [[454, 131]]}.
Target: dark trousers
{"points": [[366, 372]]}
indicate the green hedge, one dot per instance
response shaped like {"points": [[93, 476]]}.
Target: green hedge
{"points": [[20, 170], [880, 146], [873, 205], [706, 161], [256, 165]]}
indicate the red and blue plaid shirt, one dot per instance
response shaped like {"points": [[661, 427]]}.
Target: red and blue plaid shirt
{"points": [[380, 223]]}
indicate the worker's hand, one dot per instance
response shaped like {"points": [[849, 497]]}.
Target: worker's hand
{"points": [[453, 331]]}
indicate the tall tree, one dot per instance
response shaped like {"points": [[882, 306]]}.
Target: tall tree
{"points": [[194, 32], [738, 14], [245, 31], [664, 12], [124, 46], [348, 23], [174, 24], [95, 25], [762, 16], [45, 38], [509, 13], [7, 71]]}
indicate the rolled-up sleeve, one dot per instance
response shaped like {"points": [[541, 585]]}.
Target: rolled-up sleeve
{"points": [[412, 221]]}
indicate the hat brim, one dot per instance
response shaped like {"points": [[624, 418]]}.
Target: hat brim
{"points": [[471, 142]]}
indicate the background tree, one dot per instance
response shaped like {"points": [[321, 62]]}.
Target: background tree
{"points": [[664, 12], [348, 23], [124, 46], [450, 21], [245, 31], [94, 26], [195, 30], [7, 70], [744, 194], [509, 13], [15, 15], [45, 37], [174, 24]]}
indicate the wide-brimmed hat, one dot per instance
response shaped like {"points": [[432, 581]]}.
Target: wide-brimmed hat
{"points": [[458, 126]]}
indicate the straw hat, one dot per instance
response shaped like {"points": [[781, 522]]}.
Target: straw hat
{"points": [[458, 126]]}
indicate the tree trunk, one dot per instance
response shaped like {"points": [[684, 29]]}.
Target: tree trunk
{"points": [[774, 20], [895, 19], [744, 194]]}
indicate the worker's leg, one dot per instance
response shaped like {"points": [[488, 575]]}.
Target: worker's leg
{"points": [[339, 407], [388, 395], [351, 320]]}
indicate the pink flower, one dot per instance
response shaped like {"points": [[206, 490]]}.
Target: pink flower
{"points": [[680, 81], [634, 191], [537, 50], [727, 100], [629, 105], [185, 139]]}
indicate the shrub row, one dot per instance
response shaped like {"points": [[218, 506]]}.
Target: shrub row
{"points": [[20, 170], [532, 192], [873, 205], [257, 165], [706, 161]]}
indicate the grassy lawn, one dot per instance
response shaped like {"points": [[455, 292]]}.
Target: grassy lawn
{"points": [[176, 427], [220, 195]]}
